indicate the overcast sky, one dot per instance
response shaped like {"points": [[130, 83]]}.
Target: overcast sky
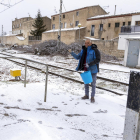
{"points": [[47, 8]]}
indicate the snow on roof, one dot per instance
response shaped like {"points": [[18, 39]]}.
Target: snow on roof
{"points": [[10, 35], [102, 16], [65, 29], [133, 38], [20, 37], [91, 38]]}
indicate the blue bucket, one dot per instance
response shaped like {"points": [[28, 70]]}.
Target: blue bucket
{"points": [[87, 77]]}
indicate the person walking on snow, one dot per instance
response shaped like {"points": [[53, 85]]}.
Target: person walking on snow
{"points": [[89, 59]]}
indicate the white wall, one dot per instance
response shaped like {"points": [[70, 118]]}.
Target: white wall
{"points": [[139, 59], [126, 51], [135, 18], [122, 39]]}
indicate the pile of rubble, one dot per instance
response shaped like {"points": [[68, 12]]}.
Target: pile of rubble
{"points": [[106, 57], [22, 48], [52, 47]]}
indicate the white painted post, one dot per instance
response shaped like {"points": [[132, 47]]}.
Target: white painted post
{"points": [[132, 118], [138, 66]]}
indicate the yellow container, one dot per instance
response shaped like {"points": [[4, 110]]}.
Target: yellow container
{"points": [[15, 72]]}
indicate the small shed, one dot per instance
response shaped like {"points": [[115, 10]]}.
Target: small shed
{"points": [[132, 52]]}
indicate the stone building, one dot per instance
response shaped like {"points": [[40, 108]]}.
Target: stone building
{"points": [[70, 21], [24, 25], [107, 27], [72, 18], [21, 29]]}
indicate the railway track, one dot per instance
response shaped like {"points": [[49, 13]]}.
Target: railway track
{"points": [[100, 68], [68, 78]]}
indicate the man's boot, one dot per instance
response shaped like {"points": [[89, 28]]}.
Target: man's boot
{"points": [[92, 100], [85, 97]]}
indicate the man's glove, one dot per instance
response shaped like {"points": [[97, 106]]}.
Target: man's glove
{"points": [[87, 65]]}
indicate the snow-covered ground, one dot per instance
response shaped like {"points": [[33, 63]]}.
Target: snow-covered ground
{"points": [[25, 116]]}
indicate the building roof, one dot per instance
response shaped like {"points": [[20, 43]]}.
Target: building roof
{"points": [[10, 35], [113, 16], [65, 29], [79, 9], [91, 38], [133, 38]]}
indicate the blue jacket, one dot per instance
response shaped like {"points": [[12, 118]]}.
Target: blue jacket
{"points": [[90, 58]]}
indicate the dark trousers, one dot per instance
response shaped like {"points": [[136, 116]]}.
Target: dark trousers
{"points": [[93, 84]]}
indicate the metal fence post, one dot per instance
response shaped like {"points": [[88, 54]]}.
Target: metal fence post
{"points": [[46, 81], [25, 73]]}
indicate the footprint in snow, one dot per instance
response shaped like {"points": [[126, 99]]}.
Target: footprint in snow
{"points": [[39, 103], [59, 128], [19, 100], [100, 111], [2, 95], [40, 122], [54, 107]]}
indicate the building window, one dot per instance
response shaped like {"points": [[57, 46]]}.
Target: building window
{"points": [[65, 25], [137, 23], [63, 16], [53, 26], [103, 39], [76, 23], [13, 26], [109, 25], [77, 13], [101, 27], [129, 23], [123, 23], [53, 18], [61, 25], [117, 25], [92, 30], [20, 24]]}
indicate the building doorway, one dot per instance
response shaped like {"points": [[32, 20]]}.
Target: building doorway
{"points": [[133, 53]]}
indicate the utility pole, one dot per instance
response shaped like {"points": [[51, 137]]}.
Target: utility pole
{"points": [[60, 17], [115, 10], [2, 36]]}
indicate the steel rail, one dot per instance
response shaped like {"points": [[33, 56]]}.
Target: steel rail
{"points": [[65, 77], [98, 77]]}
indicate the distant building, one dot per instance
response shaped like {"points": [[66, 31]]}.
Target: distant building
{"points": [[70, 21], [24, 25], [21, 29], [129, 41], [133, 30], [108, 27]]}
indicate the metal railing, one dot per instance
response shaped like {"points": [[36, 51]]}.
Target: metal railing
{"points": [[130, 29], [26, 61], [33, 38]]}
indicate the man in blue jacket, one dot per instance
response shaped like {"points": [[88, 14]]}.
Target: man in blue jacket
{"points": [[89, 59]]}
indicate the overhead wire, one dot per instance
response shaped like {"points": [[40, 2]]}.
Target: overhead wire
{"points": [[11, 6]]}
